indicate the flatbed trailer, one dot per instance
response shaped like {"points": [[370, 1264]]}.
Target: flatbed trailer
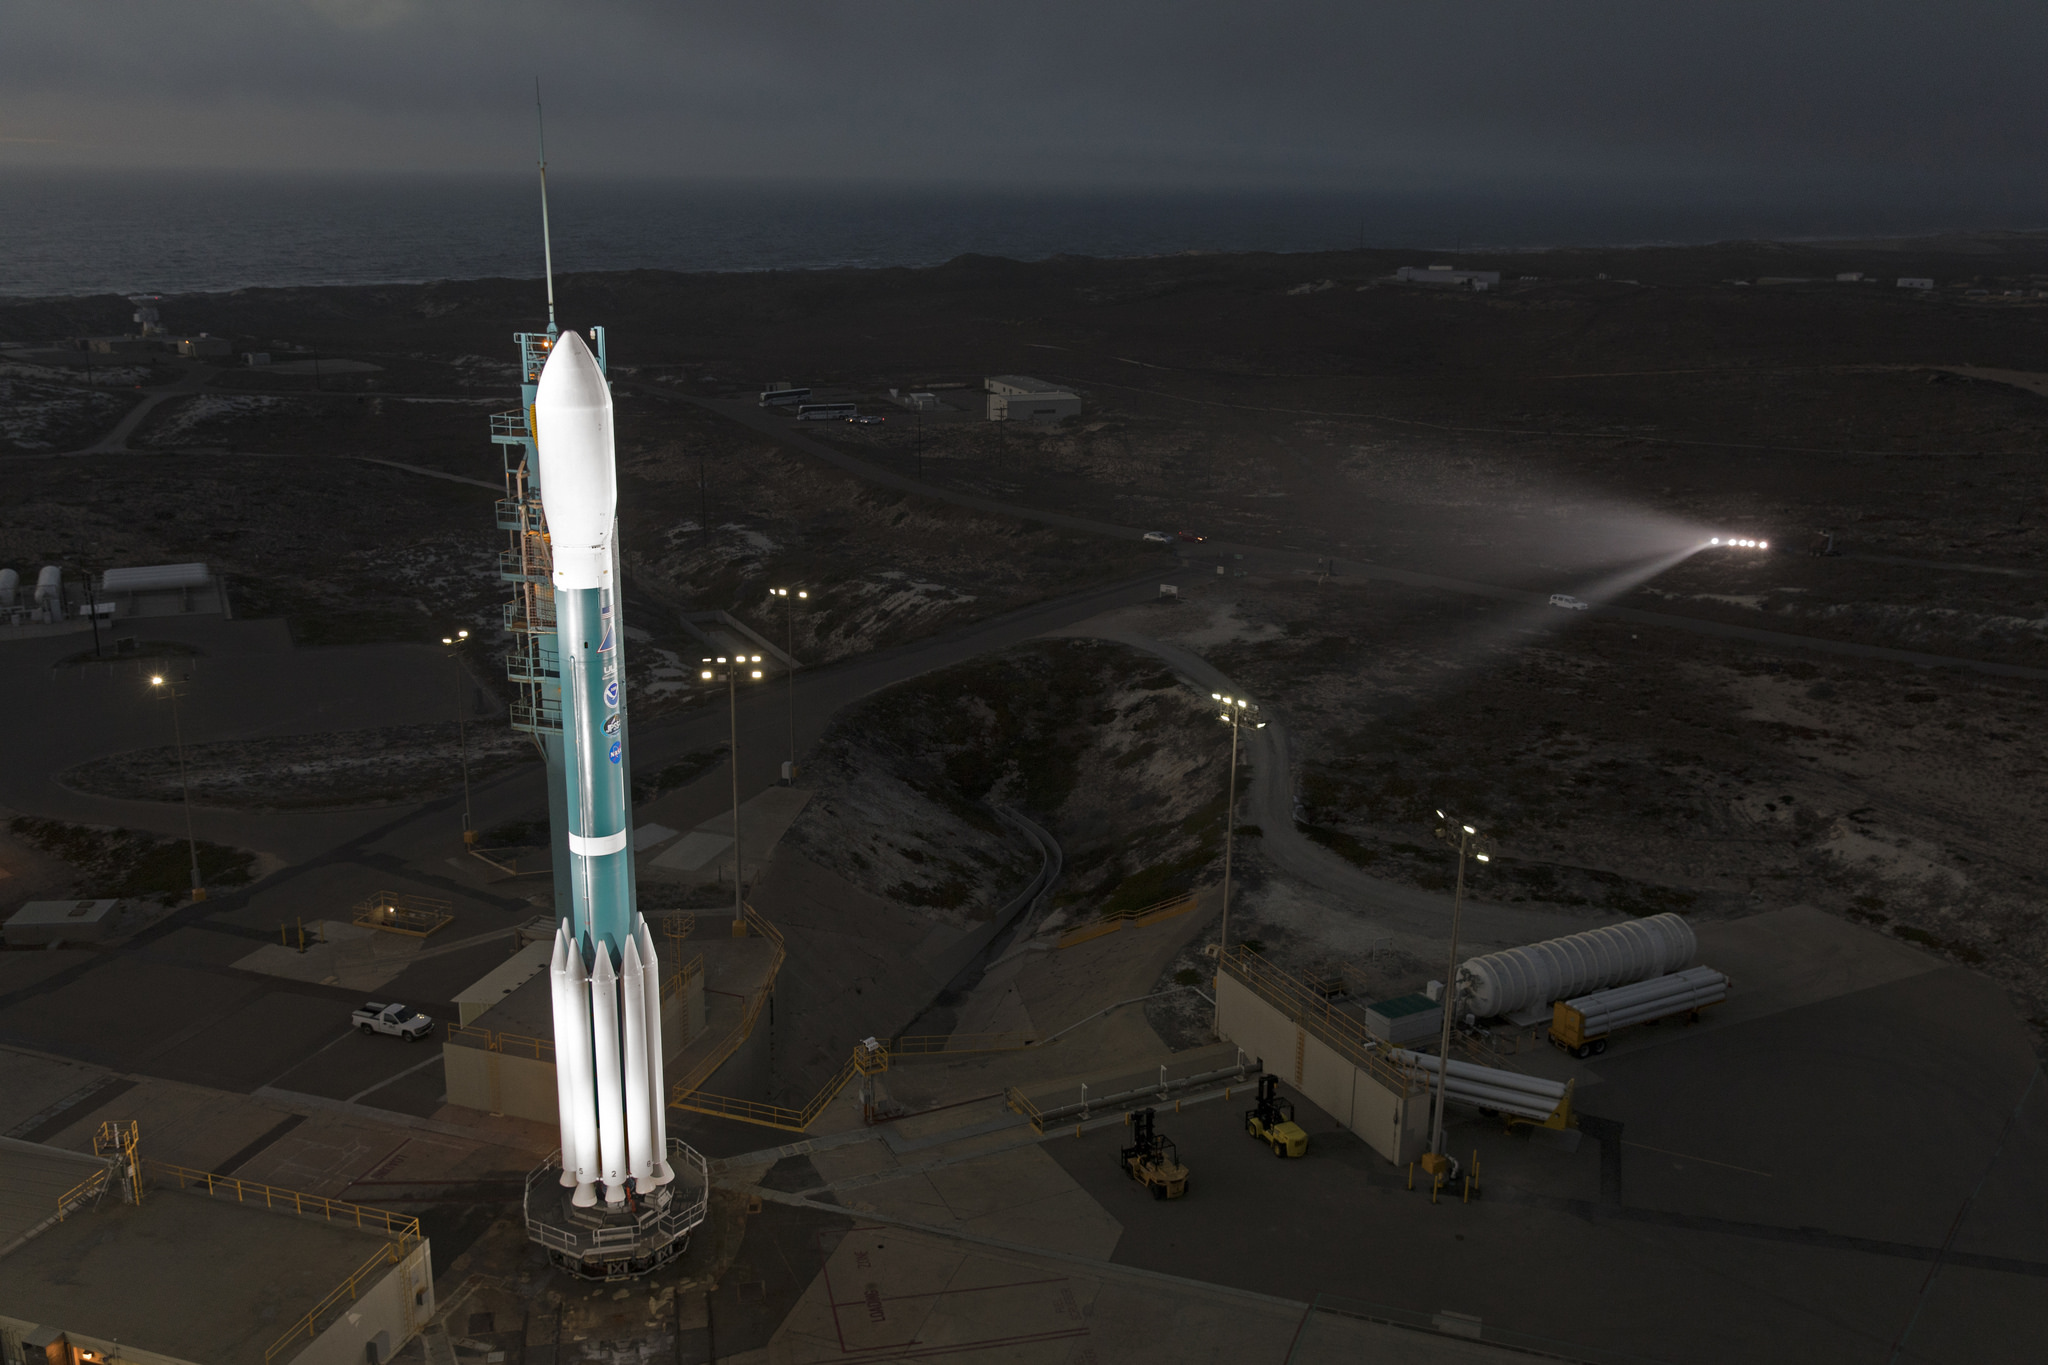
{"points": [[1583, 1026]]}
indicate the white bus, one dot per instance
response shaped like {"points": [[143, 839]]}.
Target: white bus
{"points": [[775, 398], [826, 412]]}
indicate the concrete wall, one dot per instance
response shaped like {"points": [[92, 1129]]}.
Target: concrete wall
{"points": [[388, 1314], [501, 1082], [1392, 1125], [524, 1087]]}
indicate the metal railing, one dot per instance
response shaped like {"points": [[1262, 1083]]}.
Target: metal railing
{"points": [[947, 1044], [527, 715], [1302, 1003], [865, 1061], [350, 1289], [515, 566], [1113, 920], [403, 1227], [465, 1035], [88, 1188], [687, 1086], [672, 1221], [680, 977], [510, 427]]}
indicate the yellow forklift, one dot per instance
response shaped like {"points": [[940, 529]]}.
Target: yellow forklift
{"points": [[1152, 1160], [1271, 1121]]}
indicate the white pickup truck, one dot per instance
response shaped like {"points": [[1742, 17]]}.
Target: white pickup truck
{"points": [[406, 1022]]}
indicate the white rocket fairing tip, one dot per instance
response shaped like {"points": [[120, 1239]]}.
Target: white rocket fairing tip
{"points": [[572, 415]]}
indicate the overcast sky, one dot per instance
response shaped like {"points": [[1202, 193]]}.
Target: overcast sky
{"points": [[1190, 93]]}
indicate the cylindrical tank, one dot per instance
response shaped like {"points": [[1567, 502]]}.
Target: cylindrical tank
{"points": [[10, 584], [50, 592], [1559, 968]]}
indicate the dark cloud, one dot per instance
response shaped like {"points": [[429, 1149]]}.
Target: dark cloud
{"points": [[1195, 92]]}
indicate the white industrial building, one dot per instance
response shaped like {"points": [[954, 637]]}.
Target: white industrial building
{"points": [[1020, 398], [1448, 276], [146, 590]]}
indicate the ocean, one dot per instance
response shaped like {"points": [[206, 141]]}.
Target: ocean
{"points": [[80, 232]]}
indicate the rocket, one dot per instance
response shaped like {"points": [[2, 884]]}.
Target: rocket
{"points": [[605, 975]]}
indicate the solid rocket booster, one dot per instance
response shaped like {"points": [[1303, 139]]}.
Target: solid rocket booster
{"points": [[607, 999]]}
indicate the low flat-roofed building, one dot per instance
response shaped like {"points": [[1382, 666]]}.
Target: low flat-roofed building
{"points": [[1449, 276], [40, 922], [211, 1280], [1020, 398], [163, 590]]}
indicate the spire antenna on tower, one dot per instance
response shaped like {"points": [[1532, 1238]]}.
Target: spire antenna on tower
{"points": [[547, 250]]}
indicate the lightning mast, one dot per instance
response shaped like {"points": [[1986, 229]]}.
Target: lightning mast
{"points": [[621, 1198]]}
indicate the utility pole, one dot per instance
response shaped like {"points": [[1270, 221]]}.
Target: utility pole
{"points": [[1236, 712], [1437, 1163], [172, 690], [789, 602], [456, 676], [730, 669]]}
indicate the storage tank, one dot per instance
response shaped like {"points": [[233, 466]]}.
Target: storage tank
{"points": [[50, 592], [10, 587], [1559, 968]]}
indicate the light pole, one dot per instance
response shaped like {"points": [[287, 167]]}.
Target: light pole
{"points": [[1467, 839], [166, 688], [730, 670], [1236, 713], [789, 601], [455, 643]]}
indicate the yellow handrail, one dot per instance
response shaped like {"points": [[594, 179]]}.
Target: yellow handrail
{"points": [[730, 1044], [940, 1044], [865, 1061], [80, 1192], [403, 1227], [468, 1035], [308, 1325], [1307, 1008], [1113, 920]]}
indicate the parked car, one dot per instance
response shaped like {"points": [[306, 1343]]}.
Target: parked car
{"points": [[1567, 601], [1191, 537], [1159, 538], [401, 1020]]}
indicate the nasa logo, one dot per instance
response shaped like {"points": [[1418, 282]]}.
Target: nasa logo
{"points": [[616, 749], [611, 723], [604, 645], [611, 694]]}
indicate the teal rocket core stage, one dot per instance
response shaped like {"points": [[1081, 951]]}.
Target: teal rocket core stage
{"points": [[572, 414]]}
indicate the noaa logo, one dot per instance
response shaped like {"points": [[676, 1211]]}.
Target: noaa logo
{"points": [[611, 723], [616, 750], [611, 694]]}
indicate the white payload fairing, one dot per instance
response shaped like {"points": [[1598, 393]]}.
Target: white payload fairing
{"points": [[606, 977]]}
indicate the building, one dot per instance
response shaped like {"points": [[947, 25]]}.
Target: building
{"points": [[1020, 398], [1908, 282], [114, 1256], [1448, 276], [41, 922], [204, 345]]}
